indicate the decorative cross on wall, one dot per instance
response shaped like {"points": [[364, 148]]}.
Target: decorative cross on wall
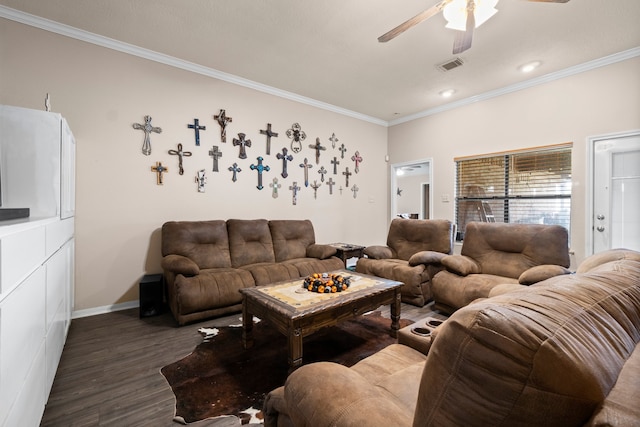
{"points": [[355, 190], [357, 158], [347, 174], [201, 180], [223, 121], [260, 168], [330, 183], [342, 150], [333, 140], [269, 134], [216, 154], [147, 128], [275, 187], [315, 187], [242, 143], [285, 158], [235, 169], [294, 188], [318, 148], [297, 135], [159, 170], [197, 128], [306, 167], [335, 164], [180, 154], [322, 171]]}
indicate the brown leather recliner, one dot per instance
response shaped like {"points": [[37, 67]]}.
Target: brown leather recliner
{"points": [[497, 253], [412, 256]]}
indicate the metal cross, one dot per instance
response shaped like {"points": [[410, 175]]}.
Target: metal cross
{"points": [[297, 135], [342, 150], [201, 180], [330, 183], [285, 158], [223, 121], [357, 158], [197, 128], [306, 167], [159, 170], [216, 154], [260, 168], [333, 140], [347, 174], [322, 171], [147, 128], [180, 154], [275, 187], [235, 169], [242, 143], [315, 187], [294, 188], [318, 148], [269, 134], [335, 164], [355, 190]]}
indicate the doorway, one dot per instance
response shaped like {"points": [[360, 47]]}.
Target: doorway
{"points": [[410, 189], [614, 221]]}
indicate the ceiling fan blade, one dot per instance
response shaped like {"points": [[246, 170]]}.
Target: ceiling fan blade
{"points": [[463, 40], [423, 16]]}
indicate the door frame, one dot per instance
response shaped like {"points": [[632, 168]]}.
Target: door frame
{"points": [[589, 197], [393, 168]]}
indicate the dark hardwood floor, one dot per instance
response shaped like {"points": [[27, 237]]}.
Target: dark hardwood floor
{"points": [[109, 374]]}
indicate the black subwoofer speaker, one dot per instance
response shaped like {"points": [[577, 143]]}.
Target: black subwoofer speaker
{"points": [[151, 295]]}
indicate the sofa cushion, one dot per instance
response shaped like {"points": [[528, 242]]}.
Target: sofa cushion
{"points": [[408, 236], [266, 273], [291, 238], [321, 251], [379, 252], [308, 266], [416, 279], [249, 241], [204, 242]]}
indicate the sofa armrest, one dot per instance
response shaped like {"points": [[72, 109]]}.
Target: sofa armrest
{"points": [[541, 272], [426, 257], [179, 264], [379, 252], [461, 265], [341, 397], [321, 251]]}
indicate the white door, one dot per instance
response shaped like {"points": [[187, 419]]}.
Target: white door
{"points": [[616, 193]]}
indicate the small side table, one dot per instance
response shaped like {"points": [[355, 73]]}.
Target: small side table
{"points": [[346, 251]]}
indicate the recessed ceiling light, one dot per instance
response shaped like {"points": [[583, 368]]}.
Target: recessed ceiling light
{"points": [[529, 67], [447, 93]]}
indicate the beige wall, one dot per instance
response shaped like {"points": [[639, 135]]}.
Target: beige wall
{"points": [[119, 207], [601, 101]]}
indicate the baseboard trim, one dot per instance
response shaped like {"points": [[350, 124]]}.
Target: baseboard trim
{"points": [[77, 314]]}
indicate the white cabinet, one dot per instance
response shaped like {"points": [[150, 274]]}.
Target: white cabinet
{"points": [[36, 259]]}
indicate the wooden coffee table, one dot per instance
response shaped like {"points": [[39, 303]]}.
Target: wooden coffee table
{"points": [[297, 314]]}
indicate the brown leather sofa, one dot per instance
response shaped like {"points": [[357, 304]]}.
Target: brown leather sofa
{"points": [[563, 352], [412, 256], [206, 263], [497, 253]]}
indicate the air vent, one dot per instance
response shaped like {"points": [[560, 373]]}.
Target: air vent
{"points": [[450, 65]]}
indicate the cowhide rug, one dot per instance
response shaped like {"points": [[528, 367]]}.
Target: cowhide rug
{"points": [[220, 378]]}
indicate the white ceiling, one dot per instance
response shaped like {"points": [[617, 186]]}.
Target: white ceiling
{"points": [[328, 50]]}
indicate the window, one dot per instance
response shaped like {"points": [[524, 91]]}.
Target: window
{"points": [[525, 186]]}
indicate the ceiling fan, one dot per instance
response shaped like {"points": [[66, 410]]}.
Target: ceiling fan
{"points": [[462, 15]]}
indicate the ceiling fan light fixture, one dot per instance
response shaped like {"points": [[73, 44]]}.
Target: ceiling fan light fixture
{"points": [[530, 66], [455, 12]]}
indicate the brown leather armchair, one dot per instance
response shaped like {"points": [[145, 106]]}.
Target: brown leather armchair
{"points": [[497, 253]]}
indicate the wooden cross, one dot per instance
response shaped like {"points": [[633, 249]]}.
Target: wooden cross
{"points": [[294, 188], [322, 171], [275, 187], [315, 187], [197, 128], [147, 128], [235, 169], [180, 154], [223, 121], [260, 168], [159, 170], [335, 164], [284, 157], [216, 154], [333, 140], [347, 174], [330, 183], [318, 148], [269, 134], [306, 167], [342, 150], [297, 135], [242, 143], [355, 190], [357, 158], [201, 180]]}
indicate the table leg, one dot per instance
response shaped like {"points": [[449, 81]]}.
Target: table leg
{"points": [[247, 325], [395, 312], [294, 342]]}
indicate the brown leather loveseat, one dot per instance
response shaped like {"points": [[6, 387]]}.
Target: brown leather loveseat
{"points": [[206, 263], [563, 352]]}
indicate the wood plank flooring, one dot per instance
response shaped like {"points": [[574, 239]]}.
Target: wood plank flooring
{"points": [[109, 374]]}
